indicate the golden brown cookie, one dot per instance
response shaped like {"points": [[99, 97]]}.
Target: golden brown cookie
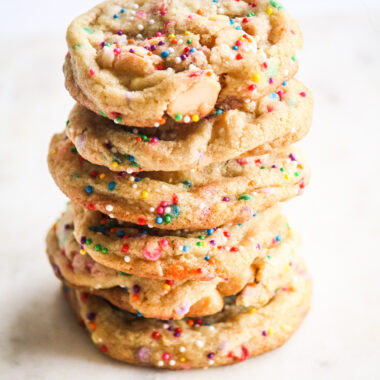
{"points": [[276, 120], [179, 58], [229, 192], [258, 271], [228, 337]]}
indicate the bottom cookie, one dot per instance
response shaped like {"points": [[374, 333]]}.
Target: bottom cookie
{"points": [[233, 335]]}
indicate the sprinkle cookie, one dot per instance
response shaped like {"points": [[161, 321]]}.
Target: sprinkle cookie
{"points": [[231, 336], [269, 270], [222, 193], [224, 252], [279, 119], [178, 58]]}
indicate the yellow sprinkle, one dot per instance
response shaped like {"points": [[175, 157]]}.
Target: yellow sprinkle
{"points": [[166, 287], [82, 252], [287, 267], [286, 176], [187, 33], [252, 311], [115, 164], [269, 11], [144, 194], [270, 332], [256, 77], [182, 359], [241, 38], [171, 36], [195, 118], [102, 176], [213, 18], [53, 152]]}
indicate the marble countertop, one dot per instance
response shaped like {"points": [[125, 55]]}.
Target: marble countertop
{"points": [[337, 216]]}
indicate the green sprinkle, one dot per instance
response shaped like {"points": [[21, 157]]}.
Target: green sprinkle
{"points": [[88, 241], [67, 122], [125, 274], [88, 30], [189, 41], [296, 174], [178, 117], [263, 167], [97, 247], [105, 250], [269, 257], [103, 114], [201, 237], [282, 169], [199, 243], [167, 218], [144, 138], [73, 150], [251, 14], [294, 58], [118, 119], [245, 197]]}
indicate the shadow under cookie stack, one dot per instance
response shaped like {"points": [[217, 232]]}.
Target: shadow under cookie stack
{"points": [[173, 251]]}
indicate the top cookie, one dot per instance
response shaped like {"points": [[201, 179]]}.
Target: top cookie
{"points": [[180, 58]]}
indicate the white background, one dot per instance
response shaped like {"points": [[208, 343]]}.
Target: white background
{"points": [[338, 215]]}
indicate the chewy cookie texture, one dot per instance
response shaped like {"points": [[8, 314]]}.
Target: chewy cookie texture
{"points": [[173, 251]]}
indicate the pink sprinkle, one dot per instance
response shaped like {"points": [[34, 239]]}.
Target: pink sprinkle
{"points": [[92, 72], [303, 94], [164, 242], [152, 251]]}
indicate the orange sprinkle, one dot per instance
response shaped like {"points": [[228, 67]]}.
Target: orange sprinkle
{"points": [[135, 297], [199, 11], [178, 272], [92, 326]]}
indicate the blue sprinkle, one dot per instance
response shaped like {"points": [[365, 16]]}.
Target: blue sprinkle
{"points": [[111, 185], [137, 179], [185, 248], [235, 47], [89, 189], [210, 231], [219, 111], [284, 83], [131, 158], [274, 96], [207, 258], [159, 220], [126, 288], [187, 183], [255, 214], [139, 314], [278, 238], [115, 16], [232, 21], [122, 10], [215, 1], [120, 234], [238, 27], [165, 54], [193, 50], [175, 210], [145, 232]]}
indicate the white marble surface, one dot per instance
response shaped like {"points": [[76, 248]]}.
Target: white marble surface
{"points": [[338, 216]]}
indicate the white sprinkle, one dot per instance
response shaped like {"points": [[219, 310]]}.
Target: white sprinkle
{"points": [[172, 362], [232, 56], [199, 343], [109, 208], [211, 362], [169, 69], [113, 150], [165, 326], [140, 27], [135, 6], [151, 21], [111, 216], [180, 41], [131, 18], [139, 36], [132, 179], [171, 50], [151, 209], [178, 60], [293, 130], [182, 349], [156, 124], [187, 119], [129, 171], [134, 186], [135, 131], [212, 328], [160, 363], [149, 226], [192, 67], [168, 210], [127, 259]]}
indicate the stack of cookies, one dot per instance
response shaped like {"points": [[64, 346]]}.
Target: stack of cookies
{"points": [[173, 251]]}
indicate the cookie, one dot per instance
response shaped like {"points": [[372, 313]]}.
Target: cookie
{"points": [[279, 119], [178, 58], [257, 278], [221, 193], [228, 337], [223, 252]]}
